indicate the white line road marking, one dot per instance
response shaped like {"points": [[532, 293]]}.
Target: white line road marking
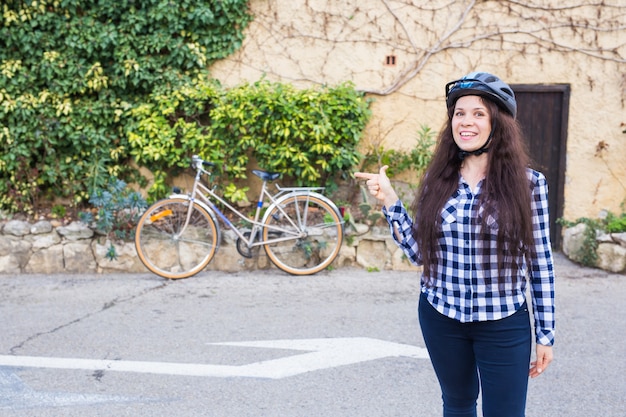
{"points": [[14, 395], [321, 354]]}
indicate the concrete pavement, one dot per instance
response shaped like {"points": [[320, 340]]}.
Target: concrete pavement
{"points": [[340, 343]]}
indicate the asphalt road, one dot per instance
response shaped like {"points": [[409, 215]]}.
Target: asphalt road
{"points": [[340, 343]]}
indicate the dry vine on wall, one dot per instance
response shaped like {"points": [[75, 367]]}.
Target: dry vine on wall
{"points": [[417, 31]]}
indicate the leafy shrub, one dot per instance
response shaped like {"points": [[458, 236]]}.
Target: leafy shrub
{"points": [[616, 223], [118, 210], [417, 159], [309, 135]]}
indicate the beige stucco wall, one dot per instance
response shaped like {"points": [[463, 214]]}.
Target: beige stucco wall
{"points": [[313, 42]]}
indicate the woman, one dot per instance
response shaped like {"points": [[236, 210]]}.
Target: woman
{"points": [[481, 228]]}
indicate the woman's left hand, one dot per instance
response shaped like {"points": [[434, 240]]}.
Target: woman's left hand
{"points": [[544, 357]]}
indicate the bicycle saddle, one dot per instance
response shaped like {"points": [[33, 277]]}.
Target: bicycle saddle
{"points": [[266, 176]]}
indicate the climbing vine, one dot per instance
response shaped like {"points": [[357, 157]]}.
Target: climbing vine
{"points": [[70, 72]]}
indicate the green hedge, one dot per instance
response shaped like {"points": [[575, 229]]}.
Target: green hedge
{"points": [[310, 135]]}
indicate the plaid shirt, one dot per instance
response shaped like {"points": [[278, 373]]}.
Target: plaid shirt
{"points": [[460, 290]]}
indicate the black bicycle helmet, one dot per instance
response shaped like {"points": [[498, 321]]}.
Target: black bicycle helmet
{"points": [[482, 84]]}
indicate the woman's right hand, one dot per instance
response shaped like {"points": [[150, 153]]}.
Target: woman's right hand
{"points": [[379, 186]]}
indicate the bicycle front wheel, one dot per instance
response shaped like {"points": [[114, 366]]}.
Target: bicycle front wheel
{"points": [[304, 234], [170, 249]]}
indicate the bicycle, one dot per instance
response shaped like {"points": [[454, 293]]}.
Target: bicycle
{"points": [[301, 230]]}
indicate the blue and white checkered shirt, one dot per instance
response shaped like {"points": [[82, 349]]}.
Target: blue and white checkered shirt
{"points": [[459, 289]]}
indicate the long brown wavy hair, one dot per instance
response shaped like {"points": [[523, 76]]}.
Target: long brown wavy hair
{"points": [[505, 193]]}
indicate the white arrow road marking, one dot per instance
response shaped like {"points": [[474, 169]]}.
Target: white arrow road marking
{"points": [[322, 354]]}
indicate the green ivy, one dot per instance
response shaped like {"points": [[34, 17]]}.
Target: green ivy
{"points": [[71, 71], [587, 254], [88, 88]]}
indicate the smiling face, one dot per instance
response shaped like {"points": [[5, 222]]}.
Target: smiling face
{"points": [[471, 123]]}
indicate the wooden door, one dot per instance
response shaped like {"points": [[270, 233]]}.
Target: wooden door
{"points": [[543, 113]]}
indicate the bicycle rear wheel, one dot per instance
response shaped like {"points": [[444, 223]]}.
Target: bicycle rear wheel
{"points": [[304, 233], [169, 251]]}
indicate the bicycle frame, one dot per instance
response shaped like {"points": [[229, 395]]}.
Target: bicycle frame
{"points": [[204, 194]]}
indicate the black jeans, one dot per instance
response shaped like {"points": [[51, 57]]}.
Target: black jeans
{"points": [[492, 355]]}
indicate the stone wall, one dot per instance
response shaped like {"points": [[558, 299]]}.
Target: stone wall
{"points": [[611, 249], [46, 248]]}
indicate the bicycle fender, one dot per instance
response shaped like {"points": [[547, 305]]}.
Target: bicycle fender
{"points": [[307, 193]]}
